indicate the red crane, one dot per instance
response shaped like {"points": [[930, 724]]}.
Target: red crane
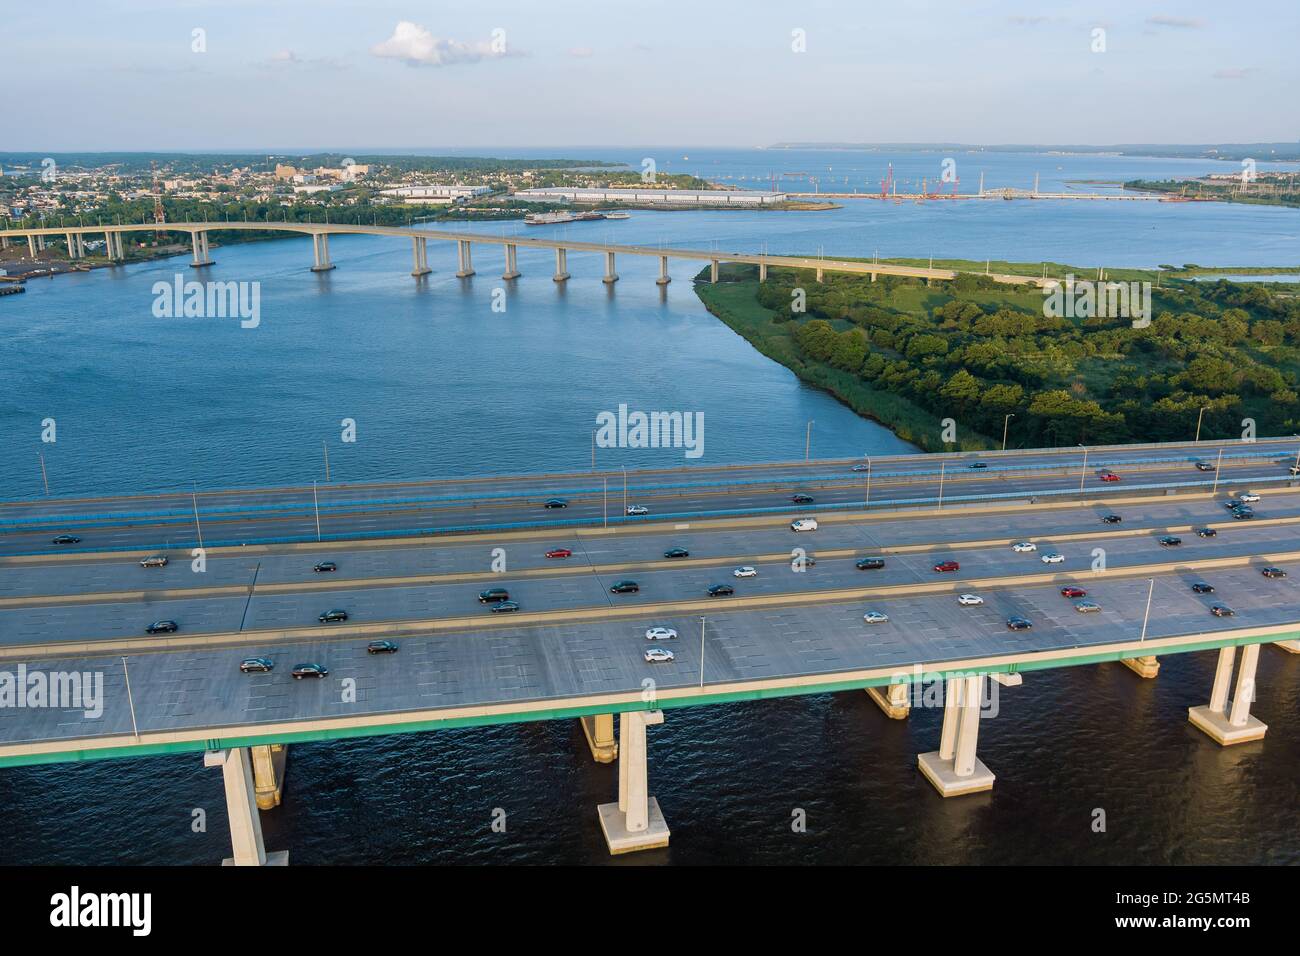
{"points": [[887, 182]]}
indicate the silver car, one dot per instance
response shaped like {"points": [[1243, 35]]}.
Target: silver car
{"points": [[154, 561]]}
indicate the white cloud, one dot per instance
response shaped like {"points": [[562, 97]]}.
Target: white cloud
{"points": [[1187, 23], [581, 51], [1234, 72], [417, 46]]}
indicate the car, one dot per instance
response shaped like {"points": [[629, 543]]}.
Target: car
{"points": [[1111, 519], [802, 499], [1073, 591], [660, 633], [256, 665], [325, 567], [1052, 557], [1018, 624], [308, 670], [381, 647], [559, 553], [1248, 498], [505, 607], [154, 561], [677, 553], [555, 503], [869, 564], [1086, 607], [65, 539], [493, 595], [803, 524], [1206, 533], [333, 616], [944, 566], [1200, 587], [1024, 546], [1169, 541], [1204, 466], [624, 587], [876, 617], [1232, 504], [1295, 470], [1273, 573], [978, 464], [861, 467], [658, 655], [1109, 476], [745, 572], [1242, 514], [721, 590], [969, 600], [162, 627], [636, 510], [1221, 610]]}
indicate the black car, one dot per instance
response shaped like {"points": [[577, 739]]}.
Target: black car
{"points": [[162, 627], [677, 553], [493, 595], [556, 503], [624, 587], [1221, 610], [1232, 503], [333, 616], [1206, 533], [505, 607], [1018, 624], [721, 590], [1243, 513], [978, 464], [1169, 541], [256, 665], [1273, 573], [802, 499], [870, 564], [308, 670], [381, 647], [325, 566], [1111, 519], [65, 539], [1200, 587]]}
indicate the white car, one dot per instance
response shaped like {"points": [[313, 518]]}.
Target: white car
{"points": [[803, 524], [861, 467], [658, 655], [746, 572], [875, 617], [970, 600], [1248, 498], [1024, 546], [1052, 558], [660, 634], [154, 561], [637, 510]]}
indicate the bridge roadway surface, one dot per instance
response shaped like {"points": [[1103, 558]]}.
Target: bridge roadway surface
{"points": [[574, 641], [254, 516]]}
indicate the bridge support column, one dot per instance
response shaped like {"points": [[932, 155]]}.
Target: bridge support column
{"points": [[320, 247], [81, 245], [1230, 722], [464, 259], [664, 278], [635, 822], [241, 808], [713, 270], [762, 272], [892, 700], [121, 249], [599, 731], [40, 243], [512, 269], [110, 246], [31, 246], [268, 774], [4, 242], [873, 277], [72, 246], [1142, 666], [819, 273], [1291, 647], [561, 264], [953, 768], [199, 241], [419, 257], [610, 276]]}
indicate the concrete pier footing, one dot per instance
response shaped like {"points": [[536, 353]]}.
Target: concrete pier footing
{"points": [[268, 774], [199, 240], [954, 769], [762, 272], [610, 276], [892, 699], [599, 731], [1147, 667], [561, 265], [1227, 721], [635, 822], [664, 278], [320, 247], [713, 270], [464, 259], [419, 257], [512, 269], [241, 808]]}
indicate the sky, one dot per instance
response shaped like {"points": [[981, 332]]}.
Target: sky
{"points": [[304, 74]]}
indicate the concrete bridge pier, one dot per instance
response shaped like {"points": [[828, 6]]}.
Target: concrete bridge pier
{"points": [[664, 278], [762, 272], [819, 273], [892, 700], [320, 247], [419, 257], [241, 807], [199, 240], [512, 269], [31, 246], [713, 270], [464, 259], [121, 249], [268, 774], [635, 822], [1230, 722], [1147, 667], [953, 768], [80, 238], [72, 246], [561, 264], [1291, 647], [4, 242], [610, 275], [599, 731]]}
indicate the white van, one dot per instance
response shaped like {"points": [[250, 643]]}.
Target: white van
{"points": [[803, 524]]}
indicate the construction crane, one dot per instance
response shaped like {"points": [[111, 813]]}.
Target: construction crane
{"points": [[159, 216], [887, 182]]}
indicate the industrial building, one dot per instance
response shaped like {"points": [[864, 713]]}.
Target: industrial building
{"points": [[683, 197]]}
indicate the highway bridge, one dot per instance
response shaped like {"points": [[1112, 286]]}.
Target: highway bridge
{"points": [[411, 559]]}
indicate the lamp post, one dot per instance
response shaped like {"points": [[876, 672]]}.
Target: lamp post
{"points": [[315, 500], [1147, 615], [198, 528], [867, 503], [1199, 418], [943, 465], [605, 503], [1083, 472], [326, 449], [701, 653], [1217, 465], [1006, 423], [807, 440], [624, 467]]}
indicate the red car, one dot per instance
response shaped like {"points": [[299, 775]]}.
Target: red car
{"points": [[559, 553], [947, 566], [1109, 476], [1071, 591]]}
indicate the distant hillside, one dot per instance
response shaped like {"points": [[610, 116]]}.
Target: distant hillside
{"points": [[1275, 152]]}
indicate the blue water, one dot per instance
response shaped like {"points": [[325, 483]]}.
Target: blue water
{"points": [[440, 384]]}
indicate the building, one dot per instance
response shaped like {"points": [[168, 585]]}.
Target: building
{"points": [[438, 194], [675, 197]]}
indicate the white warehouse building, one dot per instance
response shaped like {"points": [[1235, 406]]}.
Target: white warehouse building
{"points": [[437, 194], [685, 197]]}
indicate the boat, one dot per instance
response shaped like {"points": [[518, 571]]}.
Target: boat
{"points": [[617, 215], [548, 218]]}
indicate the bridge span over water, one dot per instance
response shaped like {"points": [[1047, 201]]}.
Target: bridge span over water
{"points": [[409, 568]]}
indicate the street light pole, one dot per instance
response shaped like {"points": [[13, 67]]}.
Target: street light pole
{"points": [[1199, 418], [1083, 472], [326, 449], [198, 528], [1147, 615], [624, 492], [45, 478], [1217, 466], [942, 467], [867, 503], [1006, 423], [315, 500], [807, 440], [605, 503], [593, 451], [701, 653], [130, 700]]}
